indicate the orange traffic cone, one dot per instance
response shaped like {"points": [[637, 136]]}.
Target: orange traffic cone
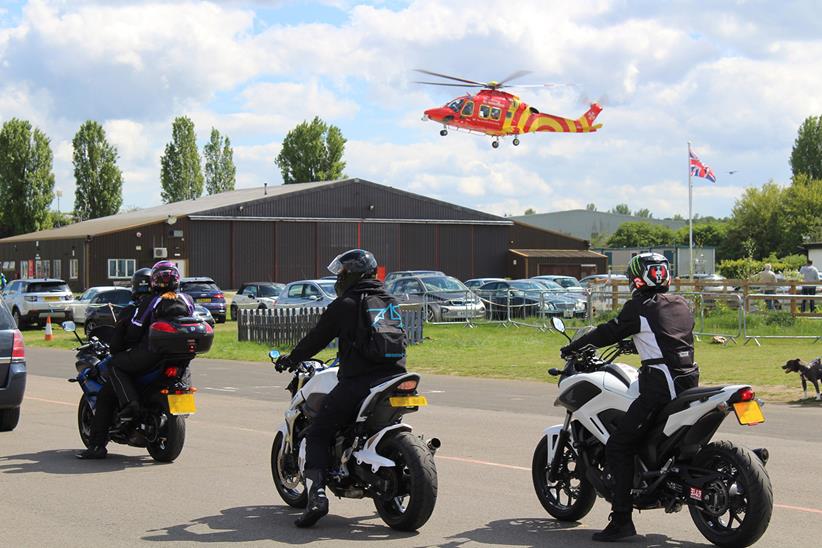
{"points": [[49, 332]]}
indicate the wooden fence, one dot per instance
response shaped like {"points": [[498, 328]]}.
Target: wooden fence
{"points": [[284, 327]]}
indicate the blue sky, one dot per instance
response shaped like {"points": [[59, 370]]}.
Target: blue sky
{"points": [[735, 78]]}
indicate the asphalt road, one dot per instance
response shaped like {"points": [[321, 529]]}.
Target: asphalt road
{"points": [[219, 491]]}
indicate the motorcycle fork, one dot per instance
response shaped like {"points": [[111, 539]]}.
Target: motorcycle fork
{"points": [[562, 439]]}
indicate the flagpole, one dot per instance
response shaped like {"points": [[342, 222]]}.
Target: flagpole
{"points": [[690, 218]]}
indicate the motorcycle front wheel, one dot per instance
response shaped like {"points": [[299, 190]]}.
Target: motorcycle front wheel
{"points": [[735, 510], [84, 417], [287, 478], [416, 483], [572, 496]]}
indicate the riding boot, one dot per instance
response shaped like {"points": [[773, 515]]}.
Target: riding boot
{"points": [[317, 505], [93, 452], [620, 526]]}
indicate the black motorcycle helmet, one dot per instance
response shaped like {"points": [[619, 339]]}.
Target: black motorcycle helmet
{"points": [[351, 267], [141, 283]]}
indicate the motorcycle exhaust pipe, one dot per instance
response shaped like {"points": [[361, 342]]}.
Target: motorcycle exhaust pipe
{"points": [[434, 444], [763, 455]]}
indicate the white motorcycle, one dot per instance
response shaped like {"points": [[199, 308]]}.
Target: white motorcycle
{"points": [[376, 457], [725, 486]]}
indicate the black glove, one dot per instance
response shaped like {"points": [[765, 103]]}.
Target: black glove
{"points": [[566, 351], [285, 363]]}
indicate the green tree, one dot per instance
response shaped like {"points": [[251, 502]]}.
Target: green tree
{"points": [[712, 234], [312, 152], [180, 173], [220, 173], [26, 177], [645, 213], [806, 156], [99, 182], [641, 234], [801, 214], [591, 207], [756, 216], [621, 209], [530, 211]]}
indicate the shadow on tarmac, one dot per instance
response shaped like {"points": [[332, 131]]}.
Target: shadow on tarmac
{"points": [[546, 531], [64, 462], [273, 523]]}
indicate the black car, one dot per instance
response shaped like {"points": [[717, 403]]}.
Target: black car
{"points": [[108, 316], [12, 370], [104, 307], [204, 291]]}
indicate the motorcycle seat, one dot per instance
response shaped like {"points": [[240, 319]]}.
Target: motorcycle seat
{"points": [[685, 398], [385, 379]]}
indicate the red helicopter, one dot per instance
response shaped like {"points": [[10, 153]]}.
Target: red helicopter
{"points": [[498, 113]]}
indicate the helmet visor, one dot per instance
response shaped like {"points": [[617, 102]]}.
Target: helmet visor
{"points": [[336, 266]]}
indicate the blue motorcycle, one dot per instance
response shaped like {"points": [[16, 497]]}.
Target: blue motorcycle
{"points": [[166, 393]]}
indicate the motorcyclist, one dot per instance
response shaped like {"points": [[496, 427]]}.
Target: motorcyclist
{"points": [[355, 271], [106, 406], [131, 355], [661, 325]]}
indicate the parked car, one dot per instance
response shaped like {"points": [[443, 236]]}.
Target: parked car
{"points": [[445, 298], [526, 297], [204, 291], [107, 315], [12, 370], [304, 293], [98, 296], [31, 301], [254, 295], [202, 313], [556, 289], [569, 283], [605, 279], [476, 283], [403, 273]]}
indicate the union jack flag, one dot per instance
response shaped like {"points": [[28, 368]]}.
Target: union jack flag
{"points": [[698, 169]]}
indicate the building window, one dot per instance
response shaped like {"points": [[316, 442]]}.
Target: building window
{"points": [[57, 268], [42, 268], [73, 268], [120, 268]]}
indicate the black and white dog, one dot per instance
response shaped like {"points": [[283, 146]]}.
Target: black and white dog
{"points": [[807, 372]]}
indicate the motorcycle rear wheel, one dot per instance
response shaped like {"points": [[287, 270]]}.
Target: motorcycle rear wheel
{"points": [[416, 475], [578, 490], [290, 488], [169, 447], [746, 499]]}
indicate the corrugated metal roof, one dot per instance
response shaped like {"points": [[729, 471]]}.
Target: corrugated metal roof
{"points": [[558, 253], [151, 215]]}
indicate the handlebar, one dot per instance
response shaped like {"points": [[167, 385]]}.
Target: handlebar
{"points": [[585, 359]]}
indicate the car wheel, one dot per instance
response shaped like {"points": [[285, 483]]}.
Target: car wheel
{"points": [[18, 321], [89, 326], [234, 313]]}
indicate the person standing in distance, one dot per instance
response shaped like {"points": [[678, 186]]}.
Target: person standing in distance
{"points": [[355, 271], [809, 274], [661, 326]]}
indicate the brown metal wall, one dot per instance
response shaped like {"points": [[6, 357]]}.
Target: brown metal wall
{"points": [[383, 240], [210, 246], [254, 253], [418, 247], [527, 237], [527, 267], [296, 251], [353, 199], [333, 239], [456, 250], [63, 250], [490, 251]]}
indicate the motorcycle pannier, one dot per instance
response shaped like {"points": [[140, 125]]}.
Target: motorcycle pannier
{"points": [[181, 336]]}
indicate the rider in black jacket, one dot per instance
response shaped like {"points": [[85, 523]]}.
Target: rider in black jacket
{"points": [[355, 270], [662, 329]]}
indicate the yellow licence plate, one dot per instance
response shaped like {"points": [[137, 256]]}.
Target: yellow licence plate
{"points": [[51, 299], [206, 300], [749, 412], [181, 404], [408, 401]]}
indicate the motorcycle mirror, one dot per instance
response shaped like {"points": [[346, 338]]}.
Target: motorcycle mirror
{"points": [[558, 324], [274, 354], [69, 326]]}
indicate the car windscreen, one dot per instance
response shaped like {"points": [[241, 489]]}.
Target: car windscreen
{"points": [[199, 287], [328, 288], [270, 290], [47, 287], [526, 286], [6, 321], [567, 282], [553, 286], [443, 283]]}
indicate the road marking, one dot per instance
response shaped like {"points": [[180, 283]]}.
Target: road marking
{"points": [[51, 401], [440, 457]]}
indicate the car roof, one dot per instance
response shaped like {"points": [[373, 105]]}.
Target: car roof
{"points": [[197, 279], [40, 280], [262, 283], [316, 281]]}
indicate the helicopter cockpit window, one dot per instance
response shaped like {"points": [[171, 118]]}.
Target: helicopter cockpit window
{"points": [[468, 109], [495, 113], [456, 104], [485, 111]]}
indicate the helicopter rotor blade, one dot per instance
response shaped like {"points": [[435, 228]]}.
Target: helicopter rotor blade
{"points": [[449, 85], [428, 72], [515, 75]]}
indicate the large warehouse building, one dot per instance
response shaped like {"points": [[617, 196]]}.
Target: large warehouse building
{"points": [[291, 232]]}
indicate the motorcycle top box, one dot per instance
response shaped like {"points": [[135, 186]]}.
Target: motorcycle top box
{"points": [[181, 336]]}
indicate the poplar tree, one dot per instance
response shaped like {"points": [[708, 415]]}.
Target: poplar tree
{"points": [[220, 173], [180, 174], [99, 182]]}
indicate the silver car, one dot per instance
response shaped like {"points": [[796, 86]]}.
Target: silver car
{"points": [[254, 296], [33, 300], [305, 293], [444, 298], [82, 304]]}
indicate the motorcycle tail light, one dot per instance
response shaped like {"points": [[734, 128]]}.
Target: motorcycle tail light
{"points": [[171, 372], [408, 385], [746, 394], [18, 351]]}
